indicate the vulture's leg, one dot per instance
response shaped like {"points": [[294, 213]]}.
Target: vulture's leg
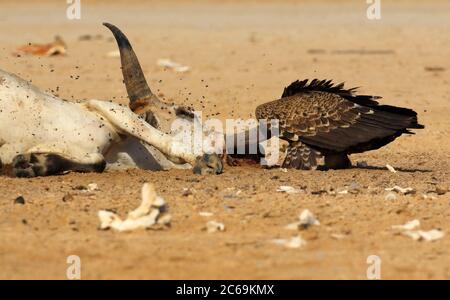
{"points": [[337, 161]]}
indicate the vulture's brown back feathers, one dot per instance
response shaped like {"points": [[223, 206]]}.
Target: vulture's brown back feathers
{"points": [[331, 119]]}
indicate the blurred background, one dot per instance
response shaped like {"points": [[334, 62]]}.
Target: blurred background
{"points": [[238, 53]]}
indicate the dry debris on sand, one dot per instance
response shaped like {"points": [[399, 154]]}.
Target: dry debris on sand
{"points": [[57, 47]]}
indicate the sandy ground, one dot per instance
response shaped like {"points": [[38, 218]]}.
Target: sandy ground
{"points": [[241, 54]]}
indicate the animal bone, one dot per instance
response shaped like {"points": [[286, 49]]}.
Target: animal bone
{"points": [[401, 190], [150, 212], [391, 168], [408, 226], [289, 189], [306, 219], [292, 243], [214, 226], [167, 63], [428, 236], [408, 229]]}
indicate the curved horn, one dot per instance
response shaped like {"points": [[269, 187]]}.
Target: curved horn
{"points": [[138, 90]]}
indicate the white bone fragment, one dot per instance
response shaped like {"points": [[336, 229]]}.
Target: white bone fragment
{"points": [[343, 192], [92, 187], [205, 214], [288, 189], [391, 168], [337, 236], [292, 243], [148, 195], [390, 197], [146, 215], [418, 235], [165, 220], [427, 236], [108, 219], [426, 197], [398, 189], [167, 63], [306, 219], [292, 226], [214, 226], [408, 226]]}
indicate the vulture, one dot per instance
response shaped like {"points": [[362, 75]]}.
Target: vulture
{"points": [[321, 119]]}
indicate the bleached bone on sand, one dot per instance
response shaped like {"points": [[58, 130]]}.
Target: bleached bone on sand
{"points": [[410, 229], [151, 211], [306, 219], [289, 189], [214, 226], [391, 168], [398, 189], [292, 243], [205, 214], [408, 226], [167, 63]]}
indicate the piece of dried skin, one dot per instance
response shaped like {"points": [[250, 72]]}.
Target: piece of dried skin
{"points": [[57, 47]]}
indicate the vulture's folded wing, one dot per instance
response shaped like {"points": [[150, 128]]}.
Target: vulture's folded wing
{"points": [[328, 117]]}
